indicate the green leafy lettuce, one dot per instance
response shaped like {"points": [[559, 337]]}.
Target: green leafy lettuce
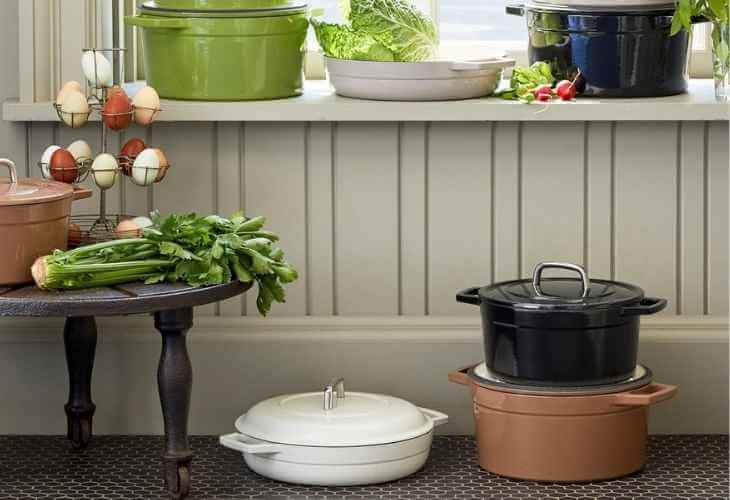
{"points": [[379, 30]]}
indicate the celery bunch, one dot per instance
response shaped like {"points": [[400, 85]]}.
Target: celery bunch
{"points": [[196, 250]]}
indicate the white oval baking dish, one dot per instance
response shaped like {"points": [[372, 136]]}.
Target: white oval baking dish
{"points": [[418, 81]]}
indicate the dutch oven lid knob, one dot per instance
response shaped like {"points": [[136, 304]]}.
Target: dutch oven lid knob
{"points": [[537, 275], [332, 392]]}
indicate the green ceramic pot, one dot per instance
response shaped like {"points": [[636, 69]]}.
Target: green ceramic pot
{"points": [[239, 55]]}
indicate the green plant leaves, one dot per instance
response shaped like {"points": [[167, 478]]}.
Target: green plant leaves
{"points": [[379, 30]]}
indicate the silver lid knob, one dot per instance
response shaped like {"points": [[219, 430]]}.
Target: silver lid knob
{"points": [[332, 392]]}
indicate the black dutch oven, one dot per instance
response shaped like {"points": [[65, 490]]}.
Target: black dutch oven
{"points": [[620, 52], [561, 331]]}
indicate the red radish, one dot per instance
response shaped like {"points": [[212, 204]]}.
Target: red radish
{"points": [[546, 90], [566, 90], [543, 93]]}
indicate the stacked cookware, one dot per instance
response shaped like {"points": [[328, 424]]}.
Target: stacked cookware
{"points": [[613, 48], [560, 396]]}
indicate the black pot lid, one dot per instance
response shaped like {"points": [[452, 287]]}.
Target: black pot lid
{"points": [[560, 294], [484, 377]]}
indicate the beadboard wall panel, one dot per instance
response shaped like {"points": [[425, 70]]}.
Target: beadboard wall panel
{"points": [[392, 219]]}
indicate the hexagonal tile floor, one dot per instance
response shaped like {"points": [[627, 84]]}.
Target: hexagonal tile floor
{"points": [[127, 467]]}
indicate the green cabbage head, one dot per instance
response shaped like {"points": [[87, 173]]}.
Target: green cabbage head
{"points": [[379, 30]]}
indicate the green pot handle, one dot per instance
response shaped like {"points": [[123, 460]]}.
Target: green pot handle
{"points": [[160, 23]]}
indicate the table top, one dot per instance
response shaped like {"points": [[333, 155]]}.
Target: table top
{"points": [[129, 298]]}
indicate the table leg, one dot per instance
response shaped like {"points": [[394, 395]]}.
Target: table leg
{"points": [[79, 338], [174, 380]]}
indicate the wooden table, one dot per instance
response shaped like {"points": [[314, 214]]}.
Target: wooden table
{"points": [[172, 306]]}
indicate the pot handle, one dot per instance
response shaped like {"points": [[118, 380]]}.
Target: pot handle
{"points": [[11, 168], [461, 376], [499, 63], [646, 396], [648, 305], [81, 193], [236, 442], [160, 23], [515, 9], [436, 417], [469, 296], [537, 276]]}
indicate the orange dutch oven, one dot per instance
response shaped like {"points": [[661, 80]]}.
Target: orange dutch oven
{"points": [[34, 219]]}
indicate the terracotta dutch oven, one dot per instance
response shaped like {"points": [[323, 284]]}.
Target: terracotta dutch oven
{"points": [[561, 434], [34, 217]]}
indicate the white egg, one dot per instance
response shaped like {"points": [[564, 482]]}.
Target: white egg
{"points": [[145, 167], [80, 150], [46, 160], [147, 105], [68, 86], [97, 69], [142, 222], [104, 170], [75, 109]]}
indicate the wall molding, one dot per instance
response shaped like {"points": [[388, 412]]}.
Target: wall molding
{"points": [[342, 329]]}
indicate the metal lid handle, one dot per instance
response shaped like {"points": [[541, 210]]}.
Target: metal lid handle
{"points": [[537, 275], [11, 168], [332, 392]]}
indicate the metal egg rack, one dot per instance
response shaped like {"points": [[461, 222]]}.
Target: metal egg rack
{"points": [[99, 227]]}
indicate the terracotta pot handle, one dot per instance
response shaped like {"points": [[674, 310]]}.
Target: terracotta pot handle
{"points": [[81, 193], [461, 376], [646, 396]]}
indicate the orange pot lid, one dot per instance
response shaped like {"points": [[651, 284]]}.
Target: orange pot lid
{"points": [[29, 191]]}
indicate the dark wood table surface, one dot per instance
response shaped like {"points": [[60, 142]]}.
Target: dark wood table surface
{"points": [[172, 306]]}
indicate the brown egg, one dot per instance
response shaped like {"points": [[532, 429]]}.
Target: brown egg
{"points": [[164, 165], [129, 152], [74, 233], [128, 229], [63, 167], [117, 111], [116, 89]]}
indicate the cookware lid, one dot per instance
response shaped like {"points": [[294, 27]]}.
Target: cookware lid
{"points": [[222, 8], [484, 377], [334, 418], [609, 6], [556, 294], [14, 191]]}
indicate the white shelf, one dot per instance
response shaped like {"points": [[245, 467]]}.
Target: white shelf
{"points": [[319, 103]]}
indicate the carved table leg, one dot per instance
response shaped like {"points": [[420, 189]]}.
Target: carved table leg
{"points": [[174, 380], [79, 338]]}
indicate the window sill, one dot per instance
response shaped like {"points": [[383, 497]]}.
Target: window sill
{"points": [[319, 103]]}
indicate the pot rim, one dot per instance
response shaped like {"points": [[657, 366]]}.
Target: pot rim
{"points": [[152, 9], [641, 377], [660, 8], [541, 405]]}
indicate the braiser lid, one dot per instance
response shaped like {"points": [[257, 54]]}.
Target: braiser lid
{"points": [[334, 418], [222, 8], [14, 191], [483, 376], [556, 294]]}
